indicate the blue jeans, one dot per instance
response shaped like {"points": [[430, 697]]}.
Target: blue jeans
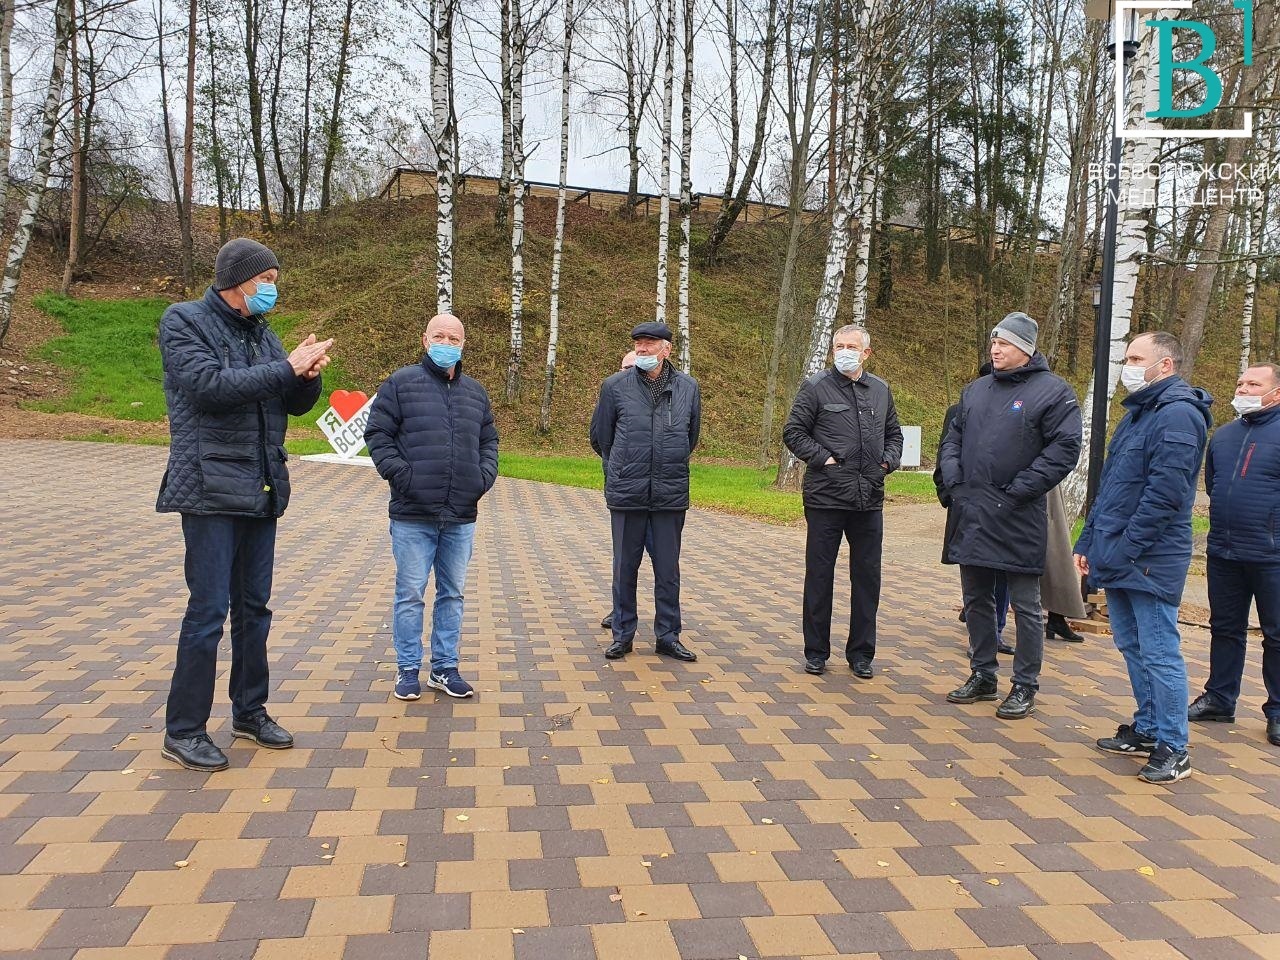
{"points": [[1233, 588], [228, 568], [1145, 629], [420, 546]]}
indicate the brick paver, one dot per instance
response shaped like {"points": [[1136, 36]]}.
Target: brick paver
{"points": [[576, 807]]}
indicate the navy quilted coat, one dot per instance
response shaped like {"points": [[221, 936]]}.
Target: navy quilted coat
{"points": [[646, 445], [1138, 534], [434, 441], [229, 389], [1242, 475]]}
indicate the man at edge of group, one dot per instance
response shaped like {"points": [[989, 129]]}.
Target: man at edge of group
{"points": [[229, 388], [1015, 437], [1136, 545], [628, 361], [432, 437], [1242, 475], [644, 427], [844, 426]]}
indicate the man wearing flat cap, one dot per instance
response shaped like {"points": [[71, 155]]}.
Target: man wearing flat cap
{"points": [[229, 387], [1015, 436], [644, 428]]}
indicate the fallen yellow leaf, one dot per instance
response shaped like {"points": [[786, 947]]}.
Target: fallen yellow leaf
{"points": [[1147, 871]]}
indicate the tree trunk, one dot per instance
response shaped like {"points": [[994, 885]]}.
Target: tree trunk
{"points": [[686, 186], [884, 293], [75, 229], [40, 173], [1257, 225], [519, 51], [557, 248], [664, 180], [729, 214], [304, 139], [442, 114], [1054, 56], [6, 98], [215, 146], [635, 109], [287, 205], [252, 37], [735, 124], [503, 204], [333, 135], [189, 155]]}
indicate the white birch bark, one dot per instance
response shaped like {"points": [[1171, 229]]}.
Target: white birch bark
{"points": [[519, 51], [6, 95], [442, 114], [504, 65], [664, 184], [862, 259], [1257, 223], [686, 186], [557, 247], [40, 173], [1136, 200]]}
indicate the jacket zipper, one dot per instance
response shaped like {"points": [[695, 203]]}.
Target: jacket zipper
{"points": [[448, 404]]}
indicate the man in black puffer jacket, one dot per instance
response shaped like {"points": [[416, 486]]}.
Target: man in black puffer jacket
{"points": [[645, 427], [844, 426], [1015, 437], [229, 388], [432, 437]]}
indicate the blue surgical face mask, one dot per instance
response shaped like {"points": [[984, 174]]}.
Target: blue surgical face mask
{"points": [[848, 361], [444, 354], [262, 299], [647, 363]]}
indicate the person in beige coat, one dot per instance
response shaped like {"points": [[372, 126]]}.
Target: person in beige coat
{"points": [[1060, 584]]}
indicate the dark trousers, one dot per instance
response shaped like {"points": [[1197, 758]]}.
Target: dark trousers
{"points": [[228, 567], [979, 585], [864, 529], [659, 531], [1233, 587]]}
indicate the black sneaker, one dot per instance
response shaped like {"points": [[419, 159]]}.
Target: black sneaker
{"points": [[979, 686], [197, 753], [1018, 705], [1128, 741], [263, 731], [1166, 766], [1207, 708], [815, 666], [862, 669]]}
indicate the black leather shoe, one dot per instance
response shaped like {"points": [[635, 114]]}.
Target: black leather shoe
{"points": [[1273, 731], [1005, 648], [979, 686], [862, 669], [676, 651], [1056, 625], [195, 753], [607, 622], [1018, 705], [1209, 709], [815, 666], [263, 731], [617, 650]]}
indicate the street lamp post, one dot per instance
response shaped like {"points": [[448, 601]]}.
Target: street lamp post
{"points": [[1104, 298]]}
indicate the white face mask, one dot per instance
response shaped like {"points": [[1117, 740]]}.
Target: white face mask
{"points": [[1134, 377], [848, 361], [1245, 405]]}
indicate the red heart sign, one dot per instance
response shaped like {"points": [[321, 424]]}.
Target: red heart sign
{"points": [[347, 403]]}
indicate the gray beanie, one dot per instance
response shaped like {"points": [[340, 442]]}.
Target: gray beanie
{"points": [[239, 260], [1020, 330]]}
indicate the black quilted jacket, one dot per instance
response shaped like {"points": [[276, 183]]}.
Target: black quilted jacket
{"points": [[434, 441], [229, 389]]}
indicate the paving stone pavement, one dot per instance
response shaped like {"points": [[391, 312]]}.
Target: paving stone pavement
{"points": [[576, 808]]}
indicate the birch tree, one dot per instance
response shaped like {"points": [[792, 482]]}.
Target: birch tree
{"points": [[189, 155], [557, 248], [664, 179], [442, 13], [686, 185], [519, 51], [6, 96], [735, 124], [503, 205], [74, 229], [333, 129], [40, 173]]}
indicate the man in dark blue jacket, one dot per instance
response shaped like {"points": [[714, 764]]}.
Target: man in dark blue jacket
{"points": [[645, 426], [844, 426], [1242, 475], [1014, 438], [229, 389], [1136, 545], [432, 437]]}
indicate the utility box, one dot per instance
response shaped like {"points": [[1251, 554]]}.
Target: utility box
{"points": [[911, 448]]}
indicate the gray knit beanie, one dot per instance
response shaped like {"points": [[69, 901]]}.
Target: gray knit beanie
{"points": [[239, 260], [1020, 330]]}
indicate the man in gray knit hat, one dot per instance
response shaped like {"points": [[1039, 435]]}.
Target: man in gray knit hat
{"points": [[1015, 436], [230, 388]]}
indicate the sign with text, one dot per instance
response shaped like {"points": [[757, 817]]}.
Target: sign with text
{"points": [[344, 422]]}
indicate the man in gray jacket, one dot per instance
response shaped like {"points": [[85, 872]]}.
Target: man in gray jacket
{"points": [[644, 427], [844, 426]]}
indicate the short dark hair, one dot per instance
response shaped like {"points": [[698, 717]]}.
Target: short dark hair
{"points": [[1272, 366], [1166, 344]]}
